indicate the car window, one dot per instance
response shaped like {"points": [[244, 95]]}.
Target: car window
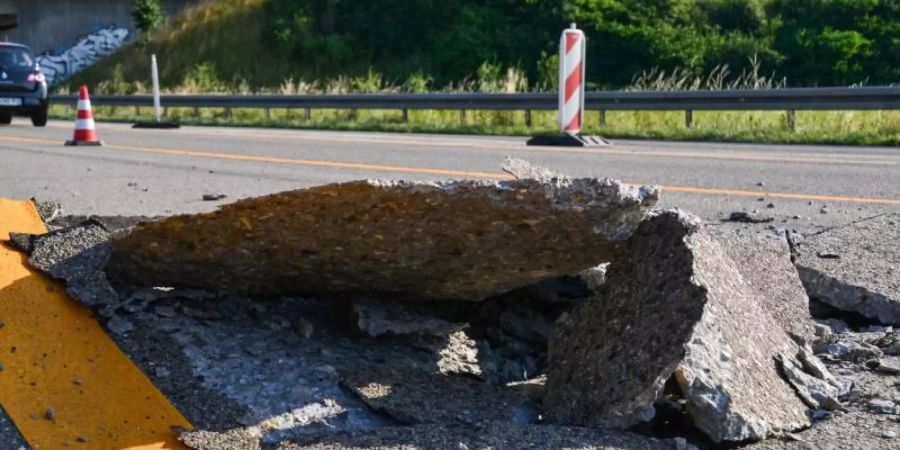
{"points": [[15, 57]]}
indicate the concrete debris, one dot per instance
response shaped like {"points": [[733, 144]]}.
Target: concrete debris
{"points": [[412, 396], [459, 356], [676, 302], [864, 278], [22, 242], [49, 211], [385, 317], [497, 436], [745, 217], [229, 440], [521, 170], [462, 240], [77, 255], [119, 325], [815, 392], [214, 197], [846, 347], [883, 406]]}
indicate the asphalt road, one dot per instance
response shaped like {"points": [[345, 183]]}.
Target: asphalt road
{"points": [[159, 172]]}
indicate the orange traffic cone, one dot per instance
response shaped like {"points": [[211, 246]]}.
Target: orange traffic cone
{"points": [[85, 134]]}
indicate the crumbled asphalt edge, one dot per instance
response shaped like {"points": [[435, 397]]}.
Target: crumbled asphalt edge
{"points": [[162, 360], [10, 438]]}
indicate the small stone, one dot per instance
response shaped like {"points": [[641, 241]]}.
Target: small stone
{"points": [[888, 434], [823, 211], [820, 414], [797, 217], [119, 326], [2, 324], [882, 406], [81, 439], [770, 205], [760, 184], [213, 197], [77, 381], [162, 372], [822, 330], [50, 414], [792, 437]]}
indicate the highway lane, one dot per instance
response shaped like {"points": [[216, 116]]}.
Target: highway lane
{"points": [[151, 172]]}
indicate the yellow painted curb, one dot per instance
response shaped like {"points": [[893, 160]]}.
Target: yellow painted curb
{"points": [[64, 382]]}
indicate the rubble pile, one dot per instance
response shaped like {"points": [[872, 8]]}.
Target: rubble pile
{"points": [[677, 303], [543, 312]]}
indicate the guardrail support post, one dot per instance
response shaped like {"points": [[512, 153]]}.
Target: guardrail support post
{"points": [[308, 114], [228, 113], [268, 114], [462, 117], [405, 115], [196, 111], [602, 117], [689, 118], [792, 119], [165, 111], [353, 114], [528, 118]]}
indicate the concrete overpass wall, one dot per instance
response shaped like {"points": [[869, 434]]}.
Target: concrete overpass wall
{"points": [[8, 16], [70, 35], [53, 25]]}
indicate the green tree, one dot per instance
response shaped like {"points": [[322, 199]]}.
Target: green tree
{"points": [[147, 14]]}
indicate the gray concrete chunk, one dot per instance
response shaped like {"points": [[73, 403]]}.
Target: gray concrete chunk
{"points": [[462, 240], [855, 267], [676, 303]]}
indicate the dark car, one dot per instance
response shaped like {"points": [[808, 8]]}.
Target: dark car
{"points": [[23, 88]]}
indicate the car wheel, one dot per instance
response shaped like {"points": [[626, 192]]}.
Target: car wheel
{"points": [[5, 118], [39, 119]]}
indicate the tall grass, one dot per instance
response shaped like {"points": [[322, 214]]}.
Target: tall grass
{"points": [[193, 73]]}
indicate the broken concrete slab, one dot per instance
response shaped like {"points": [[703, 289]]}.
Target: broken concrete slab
{"points": [[385, 317], [767, 262], [412, 396], [675, 303], [463, 240], [855, 267], [498, 436], [77, 255]]}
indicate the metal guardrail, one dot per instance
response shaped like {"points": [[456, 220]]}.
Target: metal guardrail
{"points": [[863, 98], [789, 100]]}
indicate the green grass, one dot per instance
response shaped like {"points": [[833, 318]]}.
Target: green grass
{"points": [[813, 127]]}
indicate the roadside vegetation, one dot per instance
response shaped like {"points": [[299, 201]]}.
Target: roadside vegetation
{"points": [[322, 46], [826, 127]]}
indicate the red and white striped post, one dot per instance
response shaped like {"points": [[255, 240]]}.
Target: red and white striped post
{"points": [[572, 51], [571, 80]]}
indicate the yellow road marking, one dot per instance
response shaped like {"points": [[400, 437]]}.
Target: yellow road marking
{"points": [[711, 154], [55, 355], [727, 155], [784, 195], [468, 174]]}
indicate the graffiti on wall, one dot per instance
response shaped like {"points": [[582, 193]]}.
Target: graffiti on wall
{"points": [[88, 49]]}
